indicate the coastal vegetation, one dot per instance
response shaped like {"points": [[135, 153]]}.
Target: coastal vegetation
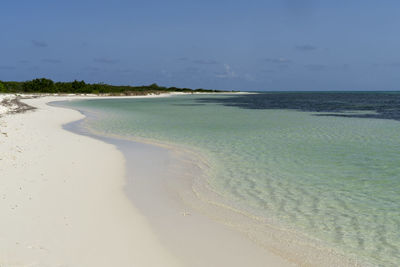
{"points": [[2, 88], [43, 85]]}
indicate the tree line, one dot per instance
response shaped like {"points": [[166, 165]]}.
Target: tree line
{"points": [[43, 85]]}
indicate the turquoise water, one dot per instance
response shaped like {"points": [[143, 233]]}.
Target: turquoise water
{"points": [[335, 178]]}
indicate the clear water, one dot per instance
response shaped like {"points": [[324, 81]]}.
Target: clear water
{"points": [[335, 178]]}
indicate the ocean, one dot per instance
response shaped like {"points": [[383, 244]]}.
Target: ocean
{"points": [[325, 165]]}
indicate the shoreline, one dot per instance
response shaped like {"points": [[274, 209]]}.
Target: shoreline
{"points": [[155, 187], [62, 208], [289, 245]]}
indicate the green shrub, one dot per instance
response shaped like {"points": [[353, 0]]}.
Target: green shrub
{"points": [[2, 88]]}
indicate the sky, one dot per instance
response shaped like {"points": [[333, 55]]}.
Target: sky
{"points": [[268, 45]]}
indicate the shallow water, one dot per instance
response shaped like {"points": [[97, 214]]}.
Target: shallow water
{"points": [[334, 178]]}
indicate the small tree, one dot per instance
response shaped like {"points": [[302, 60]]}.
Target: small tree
{"points": [[78, 86], [154, 85], [38, 85]]}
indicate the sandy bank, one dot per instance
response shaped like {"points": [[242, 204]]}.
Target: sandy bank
{"points": [[62, 199]]}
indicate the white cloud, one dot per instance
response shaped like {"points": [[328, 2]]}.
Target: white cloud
{"points": [[228, 73]]}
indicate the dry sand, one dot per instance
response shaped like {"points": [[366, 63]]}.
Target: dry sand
{"points": [[62, 200]]}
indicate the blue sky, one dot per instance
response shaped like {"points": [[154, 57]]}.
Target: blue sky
{"points": [[238, 45]]}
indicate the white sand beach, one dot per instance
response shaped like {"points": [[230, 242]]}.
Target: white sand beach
{"points": [[63, 202]]}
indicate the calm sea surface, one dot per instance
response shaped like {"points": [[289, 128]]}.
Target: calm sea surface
{"points": [[327, 164]]}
